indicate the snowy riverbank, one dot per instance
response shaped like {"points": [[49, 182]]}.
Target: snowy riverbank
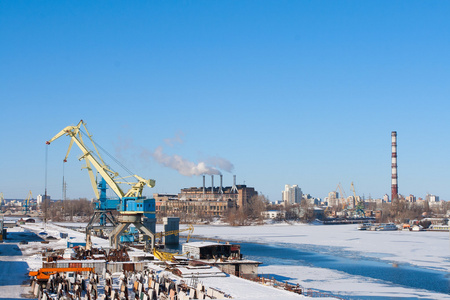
{"points": [[426, 250]]}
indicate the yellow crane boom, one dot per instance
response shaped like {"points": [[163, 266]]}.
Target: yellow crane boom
{"points": [[343, 195], [75, 134], [27, 201]]}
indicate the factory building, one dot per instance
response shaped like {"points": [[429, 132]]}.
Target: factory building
{"points": [[212, 201]]}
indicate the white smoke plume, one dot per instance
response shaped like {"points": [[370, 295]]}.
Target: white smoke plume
{"points": [[209, 166], [177, 139], [220, 163], [188, 168]]}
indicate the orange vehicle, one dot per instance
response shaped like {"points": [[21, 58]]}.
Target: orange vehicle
{"points": [[44, 273]]}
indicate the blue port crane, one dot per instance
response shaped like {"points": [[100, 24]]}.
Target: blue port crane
{"points": [[134, 208], [26, 203]]}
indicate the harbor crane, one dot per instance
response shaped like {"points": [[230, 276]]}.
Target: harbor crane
{"points": [[359, 207], [343, 196], [26, 204], [133, 207]]}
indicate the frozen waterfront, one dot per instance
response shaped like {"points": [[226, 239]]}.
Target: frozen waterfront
{"points": [[16, 259], [336, 259], [348, 262]]}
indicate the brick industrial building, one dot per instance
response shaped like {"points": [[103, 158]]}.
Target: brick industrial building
{"points": [[210, 201]]}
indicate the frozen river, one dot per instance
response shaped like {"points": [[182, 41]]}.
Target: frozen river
{"points": [[403, 275], [348, 262]]}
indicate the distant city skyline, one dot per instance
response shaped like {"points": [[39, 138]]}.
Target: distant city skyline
{"points": [[290, 92]]}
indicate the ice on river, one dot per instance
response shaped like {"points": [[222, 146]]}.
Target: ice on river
{"points": [[425, 250]]}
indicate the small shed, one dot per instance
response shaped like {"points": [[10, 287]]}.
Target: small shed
{"points": [[226, 257], [210, 250]]}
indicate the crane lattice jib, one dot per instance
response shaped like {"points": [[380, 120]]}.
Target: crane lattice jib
{"points": [[343, 195], [108, 175]]}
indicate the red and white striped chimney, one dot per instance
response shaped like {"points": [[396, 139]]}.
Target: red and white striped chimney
{"points": [[394, 186]]}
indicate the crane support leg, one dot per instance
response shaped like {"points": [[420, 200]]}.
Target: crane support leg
{"points": [[99, 216], [114, 237], [127, 220], [147, 232]]}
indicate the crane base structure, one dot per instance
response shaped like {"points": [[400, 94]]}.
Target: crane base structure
{"points": [[125, 222], [102, 217]]}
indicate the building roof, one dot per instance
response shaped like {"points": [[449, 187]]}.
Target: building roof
{"points": [[203, 244]]}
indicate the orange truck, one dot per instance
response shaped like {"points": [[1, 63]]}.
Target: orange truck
{"points": [[44, 273]]}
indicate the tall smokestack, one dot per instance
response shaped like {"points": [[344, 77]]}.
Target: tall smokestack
{"points": [[234, 188], [212, 184], [221, 181], [204, 184], [394, 184]]}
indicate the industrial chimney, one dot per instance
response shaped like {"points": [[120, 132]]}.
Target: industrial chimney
{"points": [[221, 186], [394, 186], [234, 188], [212, 184], [203, 184]]}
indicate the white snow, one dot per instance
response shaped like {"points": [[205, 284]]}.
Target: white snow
{"points": [[428, 250]]}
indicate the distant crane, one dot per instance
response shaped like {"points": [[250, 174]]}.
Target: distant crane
{"points": [[343, 195], [359, 207], [26, 204], [131, 204]]}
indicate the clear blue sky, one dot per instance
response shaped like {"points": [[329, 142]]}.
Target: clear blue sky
{"points": [[289, 92]]}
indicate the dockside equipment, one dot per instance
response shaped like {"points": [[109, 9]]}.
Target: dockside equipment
{"points": [[134, 208]]}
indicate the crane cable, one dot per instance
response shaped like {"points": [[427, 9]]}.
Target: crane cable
{"points": [[109, 155], [44, 203], [46, 167]]}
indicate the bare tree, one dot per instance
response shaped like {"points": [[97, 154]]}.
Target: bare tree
{"points": [[307, 211], [292, 212], [255, 207]]}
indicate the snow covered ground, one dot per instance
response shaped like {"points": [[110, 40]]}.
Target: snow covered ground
{"points": [[17, 259], [426, 250]]}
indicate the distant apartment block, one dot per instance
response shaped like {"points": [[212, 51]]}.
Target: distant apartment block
{"points": [[410, 198], [432, 198], [291, 194], [333, 199], [41, 198]]}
